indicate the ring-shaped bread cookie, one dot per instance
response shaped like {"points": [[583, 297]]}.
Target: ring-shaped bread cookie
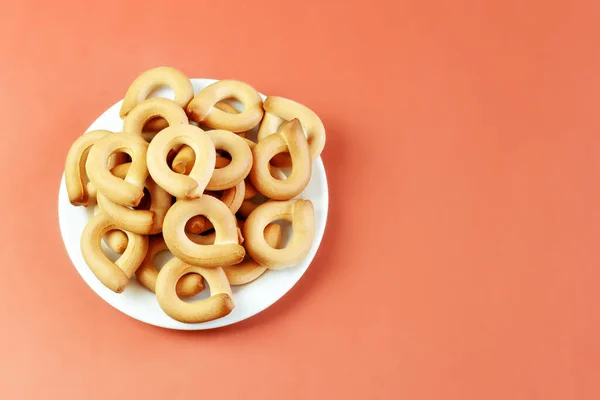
{"points": [[188, 286], [143, 222], [202, 107], [114, 276], [78, 189], [182, 186], [225, 251], [290, 137], [219, 304], [150, 109], [128, 191], [277, 111], [300, 213], [153, 79]]}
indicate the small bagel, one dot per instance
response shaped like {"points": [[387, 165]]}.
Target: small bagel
{"points": [[80, 194], [114, 276], [290, 137], [143, 222], [300, 213], [249, 270], [225, 251], [232, 198], [149, 109], [182, 186], [202, 107], [128, 191], [219, 304], [278, 110], [153, 79], [189, 285]]}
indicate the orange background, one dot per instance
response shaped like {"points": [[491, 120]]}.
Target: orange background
{"points": [[460, 259]]}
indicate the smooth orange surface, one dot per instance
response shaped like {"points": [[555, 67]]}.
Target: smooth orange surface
{"points": [[461, 258]]}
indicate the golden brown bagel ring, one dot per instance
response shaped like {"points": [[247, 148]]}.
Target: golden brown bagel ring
{"points": [[116, 240], [300, 213], [281, 109], [225, 251], [202, 107], [143, 222], [153, 79], [75, 174], [182, 186], [149, 109], [128, 191], [232, 197], [248, 270], [114, 276], [290, 137], [189, 285], [241, 160], [219, 304]]}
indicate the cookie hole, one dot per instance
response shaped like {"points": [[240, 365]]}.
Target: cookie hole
{"points": [[286, 232], [232, 101], [162, 91], [146, 201], [113, 244], [205, 294], [117, 158]]}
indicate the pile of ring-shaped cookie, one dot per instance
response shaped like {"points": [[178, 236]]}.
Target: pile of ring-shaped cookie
{"points": [[183, 177]]}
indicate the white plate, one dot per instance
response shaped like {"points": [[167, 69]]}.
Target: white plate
{"points": [[138, 302]]}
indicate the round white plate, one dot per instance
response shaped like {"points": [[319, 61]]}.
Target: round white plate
{"points": [[138, 302]]}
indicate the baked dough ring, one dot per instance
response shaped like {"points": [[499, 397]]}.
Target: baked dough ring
{"points": [[300, 213], [189, 285], [290, 137], [182, 186], [79, 191], [278, 110], [116, 240], [114, 276], [218, 305], [128, 191], [225, 251], [143, 222], [202, 107], [232, 197], [153, 79], [249, 270], [150, 109]]}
